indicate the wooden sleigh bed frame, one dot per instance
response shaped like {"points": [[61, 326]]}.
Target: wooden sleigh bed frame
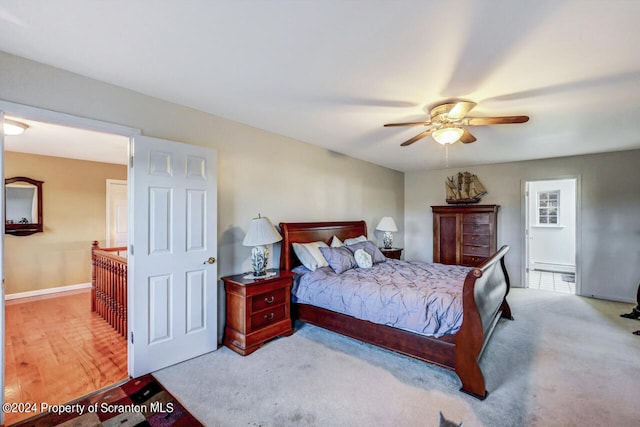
{"points": [[484, 303]]}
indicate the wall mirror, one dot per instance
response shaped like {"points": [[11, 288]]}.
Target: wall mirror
{"points": [[23, 206]]}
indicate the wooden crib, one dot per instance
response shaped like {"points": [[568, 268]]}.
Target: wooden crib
{"points": [[109, 285]]}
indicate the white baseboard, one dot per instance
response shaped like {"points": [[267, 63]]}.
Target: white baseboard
{"points": [[47, 291], [557, 268], [611, 298]]}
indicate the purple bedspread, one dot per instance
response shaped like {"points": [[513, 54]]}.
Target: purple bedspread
{"points": [[416, 296]]}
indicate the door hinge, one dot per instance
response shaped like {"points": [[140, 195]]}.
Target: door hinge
{"points": [[131, 337], [131, 161], [131, 249]]}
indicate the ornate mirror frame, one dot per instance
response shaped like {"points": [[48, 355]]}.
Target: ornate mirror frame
{"points": [[24, 227]]}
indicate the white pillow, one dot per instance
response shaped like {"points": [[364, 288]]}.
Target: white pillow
{"points": [[355, 240], [363, 259], [336, 243], [309, 254]]}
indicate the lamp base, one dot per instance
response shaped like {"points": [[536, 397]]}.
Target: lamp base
{"points": [[387, 240], [259, 258]]}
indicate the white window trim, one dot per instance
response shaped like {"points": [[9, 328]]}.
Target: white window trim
{"points": [[538, 207]]}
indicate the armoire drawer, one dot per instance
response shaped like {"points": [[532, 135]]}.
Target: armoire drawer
{"points": [[476, 239], [476, 229], [475, 250], [472, 261], [477, 218]]}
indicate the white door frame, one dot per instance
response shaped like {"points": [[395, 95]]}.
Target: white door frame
{"points": [[54, 117], [111, 182], [2, 267], [526, 199]]}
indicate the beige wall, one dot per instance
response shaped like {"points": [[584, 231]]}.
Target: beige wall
{"points": [[608, 217], [74, 214], [258, 171]]}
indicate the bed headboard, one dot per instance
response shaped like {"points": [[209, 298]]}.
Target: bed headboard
{"points": [[305, 232]]}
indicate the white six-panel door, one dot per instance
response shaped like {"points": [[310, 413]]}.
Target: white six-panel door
{"points": [[172, 270]]}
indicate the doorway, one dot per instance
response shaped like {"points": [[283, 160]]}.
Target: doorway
{"points": [[55, 348], [176, 199], [551, 235]]}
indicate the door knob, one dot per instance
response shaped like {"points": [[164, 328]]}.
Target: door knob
{"points": [[211, 260]]}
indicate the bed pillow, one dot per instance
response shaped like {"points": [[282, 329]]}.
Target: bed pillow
{"points": [[363, 259], [370, 248], [335, 242], [354, 240], [309, 254], [300, 270], [340, 259]]}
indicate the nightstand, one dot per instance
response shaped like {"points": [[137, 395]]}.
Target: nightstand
{"points": [[393, 253], [257, 310]]}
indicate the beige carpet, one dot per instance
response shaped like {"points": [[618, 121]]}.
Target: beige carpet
{"points": [[564, 361]]}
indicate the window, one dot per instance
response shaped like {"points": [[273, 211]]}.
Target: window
{"points": [[548, 207]]}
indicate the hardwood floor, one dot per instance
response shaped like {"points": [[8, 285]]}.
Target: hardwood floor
{"points": [[57, 350]]}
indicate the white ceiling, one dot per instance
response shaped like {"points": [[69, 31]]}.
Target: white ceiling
{"points": [[53, 140], [332, 72]]}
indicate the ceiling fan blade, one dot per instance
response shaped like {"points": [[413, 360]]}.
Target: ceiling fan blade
{"points": [[408, 124], [415, 138], [479, 121], [467, 138], [460, 109]]}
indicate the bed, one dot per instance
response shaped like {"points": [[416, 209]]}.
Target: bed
{"points": [[484, 303]]}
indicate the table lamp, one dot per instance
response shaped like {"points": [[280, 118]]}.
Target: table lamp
{"points": [[387, 225], [261, 232]]}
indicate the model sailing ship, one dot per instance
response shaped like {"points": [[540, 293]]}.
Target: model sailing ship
{"points": [[464, 188]]}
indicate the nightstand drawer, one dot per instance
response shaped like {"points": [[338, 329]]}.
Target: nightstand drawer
{"points": [[393, 253], [268, 299], [267, 317], [476, 229]]}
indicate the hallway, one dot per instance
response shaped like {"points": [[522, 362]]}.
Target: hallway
{"points": [[57, 350]]}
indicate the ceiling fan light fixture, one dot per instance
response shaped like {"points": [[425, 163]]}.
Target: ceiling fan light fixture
{"points": [[447, 134], [12, 127]]}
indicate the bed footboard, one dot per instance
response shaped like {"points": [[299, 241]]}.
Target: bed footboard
{"points": [[484, 303]]}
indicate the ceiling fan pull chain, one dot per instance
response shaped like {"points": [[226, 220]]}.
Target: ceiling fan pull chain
{"points": [[446, 155]]}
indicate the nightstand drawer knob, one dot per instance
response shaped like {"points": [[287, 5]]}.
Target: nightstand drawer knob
{"points": [[269, 316], [270, 300]]}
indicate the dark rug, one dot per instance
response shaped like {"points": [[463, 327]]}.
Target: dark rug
{"points": [[138, 402]]}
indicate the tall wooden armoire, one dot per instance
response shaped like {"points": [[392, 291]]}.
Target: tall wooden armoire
{"points": [[464, 235]]}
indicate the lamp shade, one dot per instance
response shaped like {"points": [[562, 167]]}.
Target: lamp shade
{"points": [[387, 224], [261, 232], [447, 134]]}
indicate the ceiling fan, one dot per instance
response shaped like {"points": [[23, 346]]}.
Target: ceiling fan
{"points": [[447, 123]]}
